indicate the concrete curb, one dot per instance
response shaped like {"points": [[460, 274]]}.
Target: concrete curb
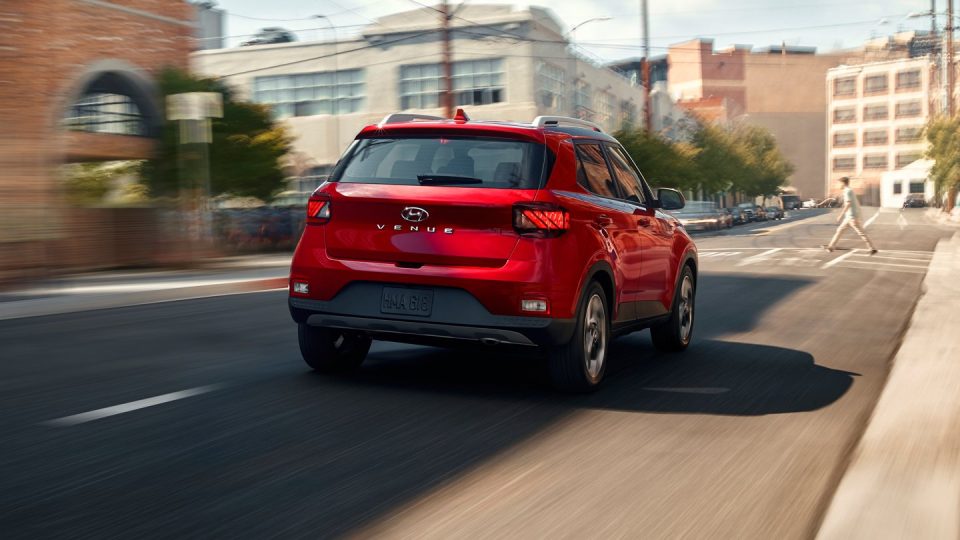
{"points": [[58, 305], [904, 477]]}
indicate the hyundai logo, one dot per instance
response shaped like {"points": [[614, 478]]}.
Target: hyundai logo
{"points": [[414, 214]]}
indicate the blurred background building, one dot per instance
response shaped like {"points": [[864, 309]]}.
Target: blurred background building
{"points": [[84, 92], [877, 114], [508, 64], [780, 88], [211, 25]]}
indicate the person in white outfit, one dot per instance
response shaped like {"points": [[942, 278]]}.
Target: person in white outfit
{"points": [[849, 217]]}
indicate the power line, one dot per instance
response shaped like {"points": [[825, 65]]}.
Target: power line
{"points": [[321, 57]]}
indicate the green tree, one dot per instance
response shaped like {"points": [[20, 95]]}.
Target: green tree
{"points": [[246, 151], [664, 163], [943, 134], [764, 169]]}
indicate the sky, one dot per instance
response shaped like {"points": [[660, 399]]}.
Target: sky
{"points": [[825, 24]]}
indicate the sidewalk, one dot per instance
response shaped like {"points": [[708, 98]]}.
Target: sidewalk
{"points": [[99, 290], [939, 216], [904, 477]]}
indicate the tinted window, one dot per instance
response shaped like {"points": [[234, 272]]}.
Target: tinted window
{"points": [[627, 178], [496, 163], [592, 172]]}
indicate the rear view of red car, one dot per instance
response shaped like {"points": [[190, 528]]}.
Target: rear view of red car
{"points": [[541, 237]]}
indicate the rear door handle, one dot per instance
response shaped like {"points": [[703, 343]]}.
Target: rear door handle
{"points": [[603, 220]]}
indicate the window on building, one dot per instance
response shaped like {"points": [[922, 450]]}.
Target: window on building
{"points": [[846, 163], [478, 82], [475, 82], [105, 113], [875, 84], [603, 104], [872, 137], [906, 158], [552, 86], [908, 80], [897, 188], [846, 86], [875, 161], [581, 100], [628, 113], [917, 187], [908, 134], [308, 94], [844, 138], [844, 115], [420, 86], [875, 112], [909, 109]]}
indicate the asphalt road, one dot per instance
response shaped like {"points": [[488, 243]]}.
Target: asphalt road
{"points": [[744, 435]]}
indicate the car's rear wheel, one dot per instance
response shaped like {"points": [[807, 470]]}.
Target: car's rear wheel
{"points": [[330, 350], [579, 365], [674, 334]]}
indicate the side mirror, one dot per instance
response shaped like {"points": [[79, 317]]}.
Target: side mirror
{"points": [[670, 199]]}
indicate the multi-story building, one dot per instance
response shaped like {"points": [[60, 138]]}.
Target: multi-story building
{"points": [[780, 88], [875, 117], [508, 64], [210, 25]]}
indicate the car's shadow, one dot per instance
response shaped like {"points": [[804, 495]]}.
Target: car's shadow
{"points": [[711, 377]]}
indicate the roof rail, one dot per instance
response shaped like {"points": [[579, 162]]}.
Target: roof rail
{"points": [[397, 118], [548, 121]]}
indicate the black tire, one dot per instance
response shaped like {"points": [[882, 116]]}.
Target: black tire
{"points": [[674, 334], [574, 368], [328, 350]]}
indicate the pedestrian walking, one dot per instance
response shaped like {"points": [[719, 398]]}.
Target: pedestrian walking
{"points": [[849, 217]]}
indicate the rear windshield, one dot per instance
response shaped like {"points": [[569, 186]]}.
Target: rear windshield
{"points": [[485, 162]]}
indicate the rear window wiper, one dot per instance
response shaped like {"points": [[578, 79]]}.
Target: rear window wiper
{"points": [[441, 179]]}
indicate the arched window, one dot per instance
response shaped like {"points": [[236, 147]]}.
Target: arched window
{"points": [[102, 112]]}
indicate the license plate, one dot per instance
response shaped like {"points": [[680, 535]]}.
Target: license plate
{"points": [[399, 301]]}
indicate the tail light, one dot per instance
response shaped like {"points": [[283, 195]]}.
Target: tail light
{"points": [[540, 220], [318, 209]]}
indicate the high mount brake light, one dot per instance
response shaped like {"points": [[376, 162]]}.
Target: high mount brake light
{"points": [[540, 220], [318, 210]]}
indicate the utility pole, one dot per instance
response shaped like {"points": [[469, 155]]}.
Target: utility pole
{"points": [[646, 67], [933, 17], [951, 74], [447, 96]]}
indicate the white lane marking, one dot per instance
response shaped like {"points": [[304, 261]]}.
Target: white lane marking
{"points": [[889, 264], [143, 287], [128, 407], [902, 221], [872, 218], [720, 254], [891, 258], [680, 390], [759, 257], [828, 264]]}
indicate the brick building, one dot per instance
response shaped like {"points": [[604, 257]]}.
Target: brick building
{"points": [[76, 84], [779, 88]]}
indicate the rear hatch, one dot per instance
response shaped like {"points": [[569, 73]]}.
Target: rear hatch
{"points": [[432, 199]]}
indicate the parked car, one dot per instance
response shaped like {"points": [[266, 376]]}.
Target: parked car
{"points": [[829, 202], [790, 202], [271, 34], [738, 215], [774, 212], [809, 203], [700, 216], [727, 217], [915, 200], [491, 234], [754, 212]]}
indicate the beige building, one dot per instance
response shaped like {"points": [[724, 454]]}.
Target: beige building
{"points": [[509, 64], [779, 88], [875, 118]]}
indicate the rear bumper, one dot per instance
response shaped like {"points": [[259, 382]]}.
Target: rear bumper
{"points": [[457, 318]]}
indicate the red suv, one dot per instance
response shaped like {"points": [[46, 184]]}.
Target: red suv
{"points": [[540, 236]]}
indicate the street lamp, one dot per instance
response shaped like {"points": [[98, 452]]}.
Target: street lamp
{"points": [[335, 107], [573, 60]]}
